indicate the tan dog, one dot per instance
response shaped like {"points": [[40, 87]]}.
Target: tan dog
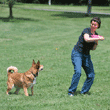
{"points": [[23, 80]]}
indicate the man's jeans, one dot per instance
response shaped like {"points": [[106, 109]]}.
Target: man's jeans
{"points": [[81, 60]]}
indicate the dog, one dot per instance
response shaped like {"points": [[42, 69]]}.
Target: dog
{"points": [[23, 80]]}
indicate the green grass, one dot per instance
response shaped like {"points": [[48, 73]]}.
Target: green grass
{"points": [[83, 8], [35, 35], [100, 9]]}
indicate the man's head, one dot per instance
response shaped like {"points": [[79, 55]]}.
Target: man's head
{"points": [[96, 22]]}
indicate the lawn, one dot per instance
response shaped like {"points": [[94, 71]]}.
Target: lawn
{"points": [[49, 37], [98, 9]]}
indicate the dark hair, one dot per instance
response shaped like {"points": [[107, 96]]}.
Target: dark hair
{"points": [[97, 19]]}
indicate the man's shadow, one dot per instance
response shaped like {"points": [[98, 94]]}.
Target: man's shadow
{"points": [[79, 92]]}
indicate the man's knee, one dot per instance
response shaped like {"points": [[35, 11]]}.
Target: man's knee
{"points": [[91, 76], [77, 73]]}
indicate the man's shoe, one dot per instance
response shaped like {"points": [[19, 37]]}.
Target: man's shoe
{"points": [[71, 94]]}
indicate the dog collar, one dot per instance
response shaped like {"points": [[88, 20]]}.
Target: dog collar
{"points": [[34, 74]]}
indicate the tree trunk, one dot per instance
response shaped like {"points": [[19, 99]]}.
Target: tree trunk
{"points": [[89, 7], [49, 2], [11, 14]]}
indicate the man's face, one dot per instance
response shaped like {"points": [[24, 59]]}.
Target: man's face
{"points": [[94, 25]]}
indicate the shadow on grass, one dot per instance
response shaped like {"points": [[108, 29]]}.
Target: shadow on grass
{"points": [[80, 15], [12, 93], [15, 19], [78, 92]]}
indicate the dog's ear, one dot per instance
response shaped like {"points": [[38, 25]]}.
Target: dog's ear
{"points": [[33, 63], [38, 63]]}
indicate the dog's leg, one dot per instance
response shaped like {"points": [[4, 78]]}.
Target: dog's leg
{"points": [[9, 87], [32, 90], [17, 90], [25, 91]]}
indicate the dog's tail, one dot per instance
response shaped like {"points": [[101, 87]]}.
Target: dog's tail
{"points": [[12, 68]]}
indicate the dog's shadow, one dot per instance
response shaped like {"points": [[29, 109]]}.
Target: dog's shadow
{"points": [[11, 93]]}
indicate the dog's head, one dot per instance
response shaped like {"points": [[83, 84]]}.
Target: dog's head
{"points": [[41, 67], [35, 68]]}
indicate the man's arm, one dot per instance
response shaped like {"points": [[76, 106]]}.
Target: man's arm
{"points": [[88, 39]]}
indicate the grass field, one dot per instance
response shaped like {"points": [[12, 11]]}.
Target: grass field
{"points": [[104, 9], [50, 37]]}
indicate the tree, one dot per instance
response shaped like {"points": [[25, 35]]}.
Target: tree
{"points": [[89, 7], [49, 2], [10, 4]]}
